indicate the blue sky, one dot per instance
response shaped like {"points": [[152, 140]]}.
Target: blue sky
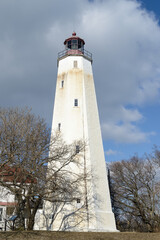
{"points": [[152, 5], [124, 37]]}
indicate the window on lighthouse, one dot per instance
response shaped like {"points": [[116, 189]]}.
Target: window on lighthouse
{"points": [[77, 149], [59, 126], [62, 83], [75, 65], [76, 102]]}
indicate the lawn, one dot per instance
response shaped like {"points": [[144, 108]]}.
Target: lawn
{"points": [[43, 235]]}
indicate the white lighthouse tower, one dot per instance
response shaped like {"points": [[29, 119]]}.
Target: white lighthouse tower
{"points": [[76, 116]]}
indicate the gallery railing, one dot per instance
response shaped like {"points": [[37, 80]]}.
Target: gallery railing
{"points": [[78, 52]]}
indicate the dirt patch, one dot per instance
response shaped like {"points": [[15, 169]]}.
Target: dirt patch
{"points": [[43, 235]]}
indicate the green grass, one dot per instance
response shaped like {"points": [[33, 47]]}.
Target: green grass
{"points": [[43, 235]]}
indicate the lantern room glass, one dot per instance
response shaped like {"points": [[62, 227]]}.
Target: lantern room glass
{"points": [[74, 44]]}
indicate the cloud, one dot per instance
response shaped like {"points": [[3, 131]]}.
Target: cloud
{"points": [[123, 37], [111, 152], [125, 133], [128, 40]]}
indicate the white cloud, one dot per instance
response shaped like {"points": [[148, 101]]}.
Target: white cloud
{"points": [[124, 133], [111, 152], [118, 113]]}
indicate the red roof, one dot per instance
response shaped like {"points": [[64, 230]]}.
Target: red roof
{"points": [[74, 37], [15, 174], [8, 203]]}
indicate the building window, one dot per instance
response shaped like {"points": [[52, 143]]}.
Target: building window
{"points": [[59, 126], [78, 200], [76, 102], [75, 65], [1, 212], [10, 210], [77, 148]]}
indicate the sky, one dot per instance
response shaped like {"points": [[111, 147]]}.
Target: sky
{"points": [[124, 38]]}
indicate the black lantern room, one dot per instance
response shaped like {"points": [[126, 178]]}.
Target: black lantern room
{"points": [[74, 43], [74, 46]]}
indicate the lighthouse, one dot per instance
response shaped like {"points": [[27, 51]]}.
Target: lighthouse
{"points": [[76, 116]]}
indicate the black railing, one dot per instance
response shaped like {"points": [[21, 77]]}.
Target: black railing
{"points": [[77, 52]]}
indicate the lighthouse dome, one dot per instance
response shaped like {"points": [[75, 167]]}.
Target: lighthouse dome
{"points": [[74, 42]]}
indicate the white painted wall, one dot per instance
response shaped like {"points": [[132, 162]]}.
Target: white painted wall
{"points": [[6, 195], [82, 122]]}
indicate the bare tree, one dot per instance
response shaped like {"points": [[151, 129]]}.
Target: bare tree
{"points": [[136, 192], [155, 156], [25, 143]]}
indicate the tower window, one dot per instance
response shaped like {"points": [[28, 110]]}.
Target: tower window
{"points": [[76, 102], [62, 83], [77, 148], [78, 200], [75, 64], [59, 126]]}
